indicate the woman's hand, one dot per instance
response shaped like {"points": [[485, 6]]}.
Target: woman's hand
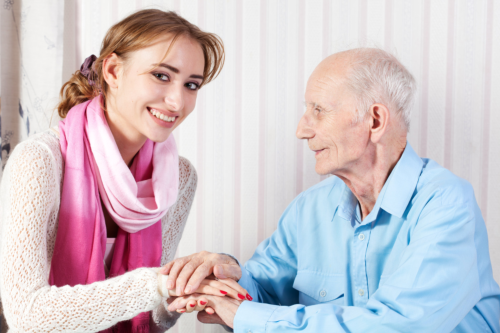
{"points": [[223, 287], [225, 307], [195, 302]]}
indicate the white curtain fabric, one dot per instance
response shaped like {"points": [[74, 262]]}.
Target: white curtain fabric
{"points": [[241, 137]]}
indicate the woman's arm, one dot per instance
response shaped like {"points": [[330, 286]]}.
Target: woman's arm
{"points": [[30, 303], [172, 227]]}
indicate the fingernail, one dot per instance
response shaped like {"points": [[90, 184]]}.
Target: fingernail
{"points": [[178, 291], [223, 292], [203, 303], [249, 297], [241, 296], [192, 305], [182, 310], [187, 290], [170, 285]]}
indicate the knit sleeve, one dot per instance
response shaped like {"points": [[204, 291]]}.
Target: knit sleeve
{"points": [[172, 227], [29, 192]]}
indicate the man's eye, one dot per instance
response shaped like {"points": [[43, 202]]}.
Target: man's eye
{"points": [[160, 76], [317, 110], [192, 86]]}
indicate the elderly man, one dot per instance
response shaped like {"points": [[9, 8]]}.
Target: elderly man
{"points": [[392, 243]]}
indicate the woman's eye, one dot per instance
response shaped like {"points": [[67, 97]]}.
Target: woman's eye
{"points": [[160, 76], [192, 86]]}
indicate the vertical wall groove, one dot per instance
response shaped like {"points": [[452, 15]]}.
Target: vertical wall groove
{"points": [[424, 97], [488, 69]]}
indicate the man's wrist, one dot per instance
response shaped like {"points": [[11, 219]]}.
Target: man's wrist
{"points": [[236, 262], [230, 256]]}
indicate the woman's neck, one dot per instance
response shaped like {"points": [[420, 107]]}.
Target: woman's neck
{"points": [[127, 138]]}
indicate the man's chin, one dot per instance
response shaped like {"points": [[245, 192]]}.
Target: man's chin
{"points": [[322, 171]]}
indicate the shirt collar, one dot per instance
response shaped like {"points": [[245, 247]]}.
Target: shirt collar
{"points": [[396, 193], [401, 183]]}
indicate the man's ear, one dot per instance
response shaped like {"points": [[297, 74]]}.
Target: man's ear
{"points": [[112, 70], [379, 121]]}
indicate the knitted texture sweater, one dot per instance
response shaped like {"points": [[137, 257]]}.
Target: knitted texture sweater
{"points": [[30, 194]]}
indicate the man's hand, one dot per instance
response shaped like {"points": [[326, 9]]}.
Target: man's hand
{"points": [[185, 274], [224, 307]]}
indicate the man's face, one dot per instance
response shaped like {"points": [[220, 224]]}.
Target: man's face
{"points": [[330, 122]]}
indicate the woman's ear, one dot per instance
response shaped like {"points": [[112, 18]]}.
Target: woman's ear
{"points": [[112, 70], [379, 121]]}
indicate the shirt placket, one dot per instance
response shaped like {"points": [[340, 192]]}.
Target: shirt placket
{"points": [[360, 246]]}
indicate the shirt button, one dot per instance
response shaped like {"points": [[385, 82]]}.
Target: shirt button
{"points": [[361, 236], [361, 292], [322, 293]]}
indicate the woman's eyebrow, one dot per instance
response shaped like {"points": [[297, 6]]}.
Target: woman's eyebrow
{"points": [[177, 71]]}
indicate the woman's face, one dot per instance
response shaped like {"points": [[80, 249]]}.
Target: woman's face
{"points": [[153, 94]]}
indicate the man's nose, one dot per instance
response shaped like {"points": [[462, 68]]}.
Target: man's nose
{"points": [[174, 98], [304, 130]]}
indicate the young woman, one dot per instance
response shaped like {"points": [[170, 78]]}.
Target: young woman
{"points": [[91, 209]]}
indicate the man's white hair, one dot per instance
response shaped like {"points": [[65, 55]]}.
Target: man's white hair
{"points": [[376, 76]]}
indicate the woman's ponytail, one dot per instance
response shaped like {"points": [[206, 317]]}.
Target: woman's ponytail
{"points": [[81, 87]]}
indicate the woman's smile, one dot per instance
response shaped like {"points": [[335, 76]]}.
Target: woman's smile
{"points": [[163, 118]]}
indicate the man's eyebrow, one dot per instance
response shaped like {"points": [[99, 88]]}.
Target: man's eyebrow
{"points": [[176, 70], [314, 105]]}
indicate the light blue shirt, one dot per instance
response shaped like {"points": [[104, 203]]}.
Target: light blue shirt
{"points": [[419, 262]]}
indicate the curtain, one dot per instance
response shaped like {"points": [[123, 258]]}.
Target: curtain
{"points": [[241, 136]]}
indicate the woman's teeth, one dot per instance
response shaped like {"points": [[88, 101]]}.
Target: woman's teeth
{"points": [[161, 116]]}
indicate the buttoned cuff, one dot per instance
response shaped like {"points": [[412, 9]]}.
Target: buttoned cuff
{"points": [[252, 317]]}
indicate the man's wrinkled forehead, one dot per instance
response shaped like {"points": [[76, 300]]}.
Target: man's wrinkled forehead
{"points": [[325, 84]]}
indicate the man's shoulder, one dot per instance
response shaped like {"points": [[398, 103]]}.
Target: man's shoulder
{"points": [[440, 183], [331, 187]]}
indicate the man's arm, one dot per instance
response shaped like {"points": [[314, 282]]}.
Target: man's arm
{"points": [[434, 287], [269, 274]]}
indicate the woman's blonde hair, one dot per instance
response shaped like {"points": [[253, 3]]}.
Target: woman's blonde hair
{"points": [[135, 32]]}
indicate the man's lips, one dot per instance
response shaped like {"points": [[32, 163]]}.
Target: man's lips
{"points": [[317, 151]]}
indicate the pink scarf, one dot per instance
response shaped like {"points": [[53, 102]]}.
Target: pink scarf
{"points": [[136, 198]]}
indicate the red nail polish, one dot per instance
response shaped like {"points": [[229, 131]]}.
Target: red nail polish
{"points": [[192, 305], [183, 311], [203, 303], [249, 297], [241, 296], [223, 292]]}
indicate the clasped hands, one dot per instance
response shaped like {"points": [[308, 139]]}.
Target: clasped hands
{"points": [[205, 282]]}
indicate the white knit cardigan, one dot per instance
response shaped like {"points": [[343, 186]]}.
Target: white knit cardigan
{"points": [[30, 194]]}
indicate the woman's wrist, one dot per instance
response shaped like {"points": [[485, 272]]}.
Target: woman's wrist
{"points": [[162, 283]]}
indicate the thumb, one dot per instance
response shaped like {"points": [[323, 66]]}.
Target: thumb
{"points": [[226, 271]]}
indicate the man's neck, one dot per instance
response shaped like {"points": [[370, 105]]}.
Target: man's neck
{"points": [[367, 178]]}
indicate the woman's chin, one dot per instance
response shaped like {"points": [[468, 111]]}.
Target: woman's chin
{"points": [[159, 136]]}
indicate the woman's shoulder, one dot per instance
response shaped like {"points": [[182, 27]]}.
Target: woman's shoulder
{"points": [[41, 147], [188, 178]]}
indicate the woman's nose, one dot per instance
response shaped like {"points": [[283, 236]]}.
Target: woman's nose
{"points": [[175, 99]]}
